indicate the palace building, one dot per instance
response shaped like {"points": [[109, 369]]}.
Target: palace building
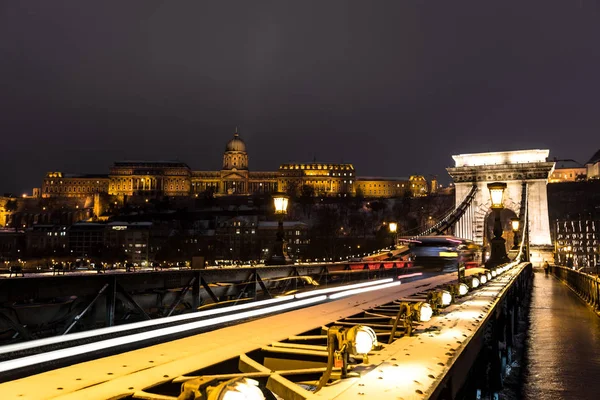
{"points": [[174, 178]]}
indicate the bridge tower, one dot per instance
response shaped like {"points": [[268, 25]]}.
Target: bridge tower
{"points": [[521, 170]]}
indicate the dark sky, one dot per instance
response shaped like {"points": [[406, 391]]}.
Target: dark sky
{"points": [[395, 87]]}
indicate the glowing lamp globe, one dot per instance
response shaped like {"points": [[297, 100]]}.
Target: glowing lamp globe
{"points": [[280, 201], [237, 389], [446, 298], [497, 194], [425, 312], [393, 227], [362, 339], [514, 222]]}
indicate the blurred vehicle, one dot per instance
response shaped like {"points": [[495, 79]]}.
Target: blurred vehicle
{"points": [[442, 253]]}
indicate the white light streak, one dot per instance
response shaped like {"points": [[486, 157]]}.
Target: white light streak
{"points": [[138, 325], [362, 290], [56, 355], [176, 318], [340, 288], [410, 275]]}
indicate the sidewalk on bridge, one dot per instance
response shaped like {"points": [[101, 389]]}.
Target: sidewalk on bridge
{"points": [[563, 345]]}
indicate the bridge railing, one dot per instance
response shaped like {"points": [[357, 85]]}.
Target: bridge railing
{"points": [[585, 285]]}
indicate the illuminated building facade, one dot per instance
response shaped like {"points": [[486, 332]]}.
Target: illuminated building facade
{"points": [[382, 187], [572, 171], [567, 171], [326, 179], [58, 184], [149, 179]]}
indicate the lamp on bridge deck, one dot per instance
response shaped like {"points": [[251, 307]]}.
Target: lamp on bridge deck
{"points": [[498, 244], [515, 222], [279, 255], [394, 231]]}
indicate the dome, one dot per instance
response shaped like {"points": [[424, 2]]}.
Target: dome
{"points": [[236, 144]]}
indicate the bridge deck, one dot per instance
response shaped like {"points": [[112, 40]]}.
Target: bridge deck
{"points": [[563, 344], [411, 367]]}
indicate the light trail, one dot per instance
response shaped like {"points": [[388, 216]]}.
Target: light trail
{"points": [[363, 290], [176, 318], [410, 275], [57, 355], [137, 325], [339, 288]]}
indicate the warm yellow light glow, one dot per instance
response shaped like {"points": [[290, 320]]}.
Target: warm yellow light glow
{"points": [[393, 227], [448, 254], [515, 224], [497, 194], [281, 203]]}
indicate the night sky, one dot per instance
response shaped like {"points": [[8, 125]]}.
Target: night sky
{"points": [[395, 87]]}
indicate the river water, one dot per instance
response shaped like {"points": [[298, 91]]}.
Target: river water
{"points": [[563, 345]]}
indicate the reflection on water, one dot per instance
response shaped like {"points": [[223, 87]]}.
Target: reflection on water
{"points": [[563, 345]]}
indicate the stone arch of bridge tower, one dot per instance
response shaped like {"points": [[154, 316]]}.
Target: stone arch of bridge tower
{"points": [[484, 210]]}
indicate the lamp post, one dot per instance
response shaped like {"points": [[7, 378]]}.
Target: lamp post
{"points": [[498, 244], [394, 231], [515, 222], [279, 254]]}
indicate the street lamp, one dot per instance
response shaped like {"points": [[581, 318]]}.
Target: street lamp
{"points": [[279, 255], [394, 231], [342, 342], [498, 244], [515, 222]]}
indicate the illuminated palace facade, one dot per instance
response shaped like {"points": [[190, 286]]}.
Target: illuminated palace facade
{"points": [[173, 178]]}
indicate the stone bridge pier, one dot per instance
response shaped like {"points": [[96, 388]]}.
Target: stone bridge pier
{"points": [[521, 170]]}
